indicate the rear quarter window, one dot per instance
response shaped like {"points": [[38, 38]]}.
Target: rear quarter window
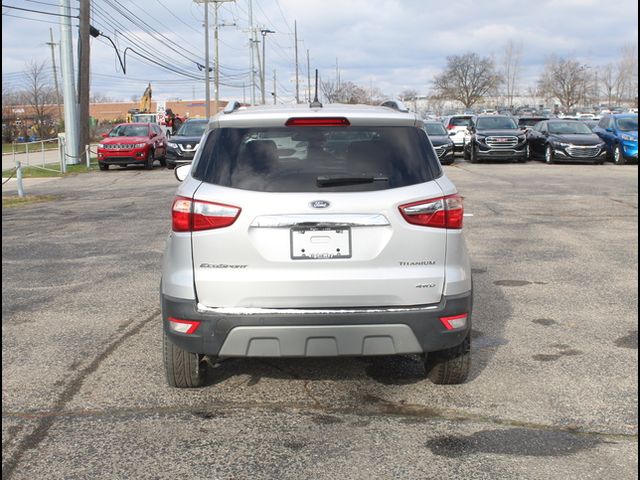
{"points": [[290, 159]]}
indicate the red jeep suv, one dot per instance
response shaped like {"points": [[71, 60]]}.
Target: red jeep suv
{"points": [[133, 144]]}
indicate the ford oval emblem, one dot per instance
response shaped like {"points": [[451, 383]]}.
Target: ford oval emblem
{"points": [[320, 204]]}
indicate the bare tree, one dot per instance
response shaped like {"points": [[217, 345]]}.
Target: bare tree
{"points": [[467, 78], [628, 73], [100, 98], [436, 104], [344, 92], [512, 56], [10, 99], [564, 79], [410, 95], [39, 95], [610, 83]]}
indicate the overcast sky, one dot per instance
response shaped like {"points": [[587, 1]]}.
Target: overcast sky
{"points": [[392, 45]]}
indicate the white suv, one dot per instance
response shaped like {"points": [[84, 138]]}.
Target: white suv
{"points": [[457, 126], [315, 231]]}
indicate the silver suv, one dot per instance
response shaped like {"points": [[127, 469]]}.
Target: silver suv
{"points": [[315, 231]]}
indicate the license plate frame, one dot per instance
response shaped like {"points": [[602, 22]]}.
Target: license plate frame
{"points": [[320, 243]]}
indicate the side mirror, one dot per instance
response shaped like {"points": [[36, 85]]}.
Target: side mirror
{"points": [[182, 172], [610, 130], [105, 135], [153, 135]]}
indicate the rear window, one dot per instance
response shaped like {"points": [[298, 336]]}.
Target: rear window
{"points": [[435, 129], [460, 121], [192, 129], [297, 159]]}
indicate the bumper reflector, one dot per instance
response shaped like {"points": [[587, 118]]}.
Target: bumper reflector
{"points": [[455, 322], [183, 326]]}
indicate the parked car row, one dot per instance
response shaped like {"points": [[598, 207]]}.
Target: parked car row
{"points": [[481, 137], [144, 143], [504, 137]]}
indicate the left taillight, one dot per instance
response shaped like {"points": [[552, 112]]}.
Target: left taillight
{"points": [[443, 212], [189, 215]]}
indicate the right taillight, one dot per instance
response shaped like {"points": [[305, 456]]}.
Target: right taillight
{"points": [[189, 215], [443, 212]]}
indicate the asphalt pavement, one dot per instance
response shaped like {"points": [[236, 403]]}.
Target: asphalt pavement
{"points": [[553, 391]]}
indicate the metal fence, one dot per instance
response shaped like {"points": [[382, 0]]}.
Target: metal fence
{"points": [[48, 154]]}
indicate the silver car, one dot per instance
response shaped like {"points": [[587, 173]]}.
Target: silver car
{"points": [[315, 231]]}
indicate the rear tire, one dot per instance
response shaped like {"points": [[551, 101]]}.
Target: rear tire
{"points": [[183, 369], [618, 156], [450, 366]]}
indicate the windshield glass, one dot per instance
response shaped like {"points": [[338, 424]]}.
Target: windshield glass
{"points": [[130, 131], [291, 159], [496, 123], [628, 124], [569, 128], [192, 129], [460, 121], [435, 129]]}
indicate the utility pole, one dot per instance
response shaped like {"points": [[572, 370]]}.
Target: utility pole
{"points": [[295, 33], [84, 56], [251, 56], [68, 85], [264, 32], [308, 76], [55, 74], [275, 96], [217, 53], [207, 91]]}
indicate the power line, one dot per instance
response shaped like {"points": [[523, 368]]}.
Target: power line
{"points": [[29, 18], [149, 29], [39, 11], [55, 5], [139, 43]]}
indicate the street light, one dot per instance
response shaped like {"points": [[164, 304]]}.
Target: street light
{"points": [[264, 33]]}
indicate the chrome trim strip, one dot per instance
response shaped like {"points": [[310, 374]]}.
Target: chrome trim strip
{"points": [[326, 219], [430, 207], [303, 311]]}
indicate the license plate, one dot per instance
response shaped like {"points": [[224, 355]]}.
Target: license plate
{"points": [[320, 243]]}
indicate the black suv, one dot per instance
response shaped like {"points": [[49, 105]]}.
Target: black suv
{"points": [[495, 137], [182, 147]]}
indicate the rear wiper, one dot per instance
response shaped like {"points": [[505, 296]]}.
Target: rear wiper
{"points": [[343, 180]]}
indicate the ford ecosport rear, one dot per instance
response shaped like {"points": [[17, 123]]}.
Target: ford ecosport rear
{"points": [[323, 231]]}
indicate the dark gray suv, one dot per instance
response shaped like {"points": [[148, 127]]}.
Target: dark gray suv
{"points": [[495, 137]]}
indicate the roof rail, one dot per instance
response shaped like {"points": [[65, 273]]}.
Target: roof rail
{"points": [[395, 104], [231, 107]]}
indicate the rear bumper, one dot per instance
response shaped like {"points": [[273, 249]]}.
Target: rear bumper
{"points": [[318, 332]]}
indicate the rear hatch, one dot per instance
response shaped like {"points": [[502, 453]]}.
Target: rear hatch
{"points": [[313, 218]]}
